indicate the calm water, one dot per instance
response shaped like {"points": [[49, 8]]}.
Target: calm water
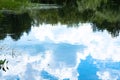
{"points": [[46, 47], [59, 53]]}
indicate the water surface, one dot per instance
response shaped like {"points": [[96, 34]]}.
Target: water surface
{"points": [[79, 41], [56, 52]]}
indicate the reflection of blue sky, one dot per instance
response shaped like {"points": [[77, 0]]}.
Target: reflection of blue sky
{"points": [[47, 76], [61, 53], [67, 51], [87, 69]]}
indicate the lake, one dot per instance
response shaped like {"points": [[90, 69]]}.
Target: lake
{"points": [[53, 44]]}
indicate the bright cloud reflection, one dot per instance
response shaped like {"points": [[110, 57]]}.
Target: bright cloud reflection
{"points": [[100, 45], [57, 53]]}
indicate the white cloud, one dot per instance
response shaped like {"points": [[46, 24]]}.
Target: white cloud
{"points": [[100, 45], [62, 33], [29, 67], [108, 75]]}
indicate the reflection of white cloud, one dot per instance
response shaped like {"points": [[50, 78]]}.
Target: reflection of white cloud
{"points": [[62, 33], [108, 75], [30, 67], [50, 65], [99, 45]]}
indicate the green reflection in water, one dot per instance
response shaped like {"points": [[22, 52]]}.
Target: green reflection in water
{"points": [[103, 14], [103, 17], [13, 4], [14, 24]]}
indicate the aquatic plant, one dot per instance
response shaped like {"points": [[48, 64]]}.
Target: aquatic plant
{"points": [[3, 65]]}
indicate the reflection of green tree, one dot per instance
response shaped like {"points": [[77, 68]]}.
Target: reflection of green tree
{"points": [[71, 3], [112, 27], [13, 4], [53, 16], [104, 14], [14, 24]]}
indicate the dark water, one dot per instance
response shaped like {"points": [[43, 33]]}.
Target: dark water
{"points": [[52, 44]]}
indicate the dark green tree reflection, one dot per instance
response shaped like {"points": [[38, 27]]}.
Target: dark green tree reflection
{"points": [[14, 24], [104, 14]]}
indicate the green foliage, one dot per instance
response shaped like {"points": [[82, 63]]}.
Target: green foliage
{"points": [[15, 24], [12, 4], [2, 62], [89, 4], [104, 14], [2, 65]]}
